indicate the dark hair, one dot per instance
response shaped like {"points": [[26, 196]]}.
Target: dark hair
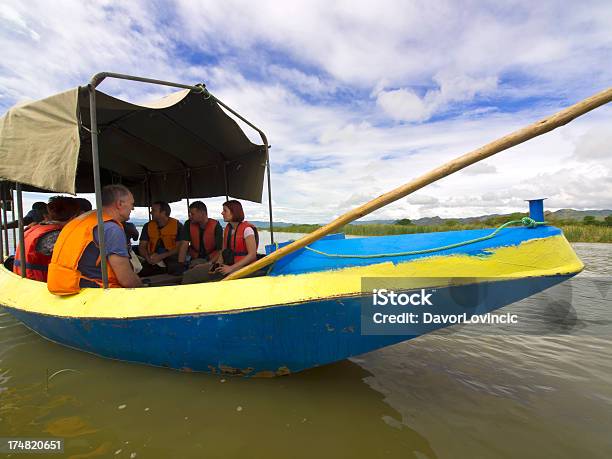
{"points": [[164, 207], [40, 206], [236, 209], [198, 205], [84, 204], [113, 193], [62, 208]]}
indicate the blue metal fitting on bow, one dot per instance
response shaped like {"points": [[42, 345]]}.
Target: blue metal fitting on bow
{"points": [[536, 209]]}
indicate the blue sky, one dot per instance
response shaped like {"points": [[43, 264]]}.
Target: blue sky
{"points": [[356, 98]]}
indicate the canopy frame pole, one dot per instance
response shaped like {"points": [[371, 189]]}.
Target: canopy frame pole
{"points": [[266, 147], [269, 195], [187, 190], [5, 233], [200, 88], [226, 180], [13, 217], [100, 77], [1, 224], [22, 258], [94, 82], [149, 206], [97, 182]]}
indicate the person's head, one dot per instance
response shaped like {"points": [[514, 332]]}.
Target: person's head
{"points": [[160, 211], [62, 208], [41, 208], [117, 202], [232, 211], [84, 205], [198, 212]]}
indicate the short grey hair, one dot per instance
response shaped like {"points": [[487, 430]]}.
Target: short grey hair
{"points": [[113, 193]]}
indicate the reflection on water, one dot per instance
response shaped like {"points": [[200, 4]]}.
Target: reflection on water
{"points": [[543, 390]]}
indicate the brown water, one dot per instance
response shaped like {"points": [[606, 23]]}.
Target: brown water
{"points": [[542, 390]]}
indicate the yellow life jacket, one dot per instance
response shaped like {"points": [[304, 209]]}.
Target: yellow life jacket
{"points": [[168, 234]]}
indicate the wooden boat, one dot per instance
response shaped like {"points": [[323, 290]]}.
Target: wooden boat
{"points": [[309, 308], [305, 315]]}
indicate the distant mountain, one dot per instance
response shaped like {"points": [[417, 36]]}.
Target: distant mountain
{"points": [[561, 214], [265, 224], [571, 214]]}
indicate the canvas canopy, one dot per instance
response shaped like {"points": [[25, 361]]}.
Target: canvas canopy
{"points": [[182, 145]]}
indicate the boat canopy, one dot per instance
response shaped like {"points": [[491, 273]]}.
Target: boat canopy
{"points": [[182, 145]]}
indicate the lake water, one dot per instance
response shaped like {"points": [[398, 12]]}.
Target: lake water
{"points": [[543, 390]]}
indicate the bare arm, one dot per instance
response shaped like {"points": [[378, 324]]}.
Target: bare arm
{"points": [[251, 246], [123, 270], [170, 253], [143, 250], [182, 250]]}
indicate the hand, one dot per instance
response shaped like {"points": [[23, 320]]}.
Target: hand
{"points": [[154, 258], [224, 269]]}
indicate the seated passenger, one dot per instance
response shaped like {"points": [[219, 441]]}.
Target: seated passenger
{"points": [[131, 233], [240, 240], [76, 257], [158, 241], [36, 215], [40, 238], [201, 237], [84, 205]]}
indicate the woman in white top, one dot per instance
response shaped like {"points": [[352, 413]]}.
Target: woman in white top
{"points": [[240, 240]]}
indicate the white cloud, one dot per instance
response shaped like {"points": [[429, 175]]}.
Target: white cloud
{"points": [[404, 105], [421, 199], [480, 168]]}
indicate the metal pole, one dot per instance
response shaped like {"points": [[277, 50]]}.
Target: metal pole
{"points": [[5, 217], [149, 196], [265, 142], [225, 179], [97, 183], [13, 215], [99, 77], [269, 192], [187, 182], [22, 258], [1, 227]]}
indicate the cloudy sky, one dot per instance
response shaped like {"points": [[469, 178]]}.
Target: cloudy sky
{"points": [[356, 97]]}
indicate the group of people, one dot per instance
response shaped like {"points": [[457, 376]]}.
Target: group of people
{"points": [[63, 250]]}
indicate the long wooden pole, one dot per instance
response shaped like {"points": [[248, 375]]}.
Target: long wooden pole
{"points": [[533, 130]]}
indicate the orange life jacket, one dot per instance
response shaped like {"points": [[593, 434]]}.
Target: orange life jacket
{"points": [[36, 263], [168, 234], [236, 242], [64, 277], [210, 244]]}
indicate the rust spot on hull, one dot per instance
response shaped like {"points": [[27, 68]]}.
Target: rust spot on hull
{"points": [[226, 370], [282, 371]]}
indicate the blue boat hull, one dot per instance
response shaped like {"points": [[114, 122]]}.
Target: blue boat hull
{"points": [[261, 342]]}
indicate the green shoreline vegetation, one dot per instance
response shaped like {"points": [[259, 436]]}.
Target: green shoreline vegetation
{"points": [[587, 230]]}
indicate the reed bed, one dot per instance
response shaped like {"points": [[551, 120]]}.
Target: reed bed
{"points": [[573, 232]]}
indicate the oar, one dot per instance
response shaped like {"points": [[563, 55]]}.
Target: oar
{"points": [[510, 140]]}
